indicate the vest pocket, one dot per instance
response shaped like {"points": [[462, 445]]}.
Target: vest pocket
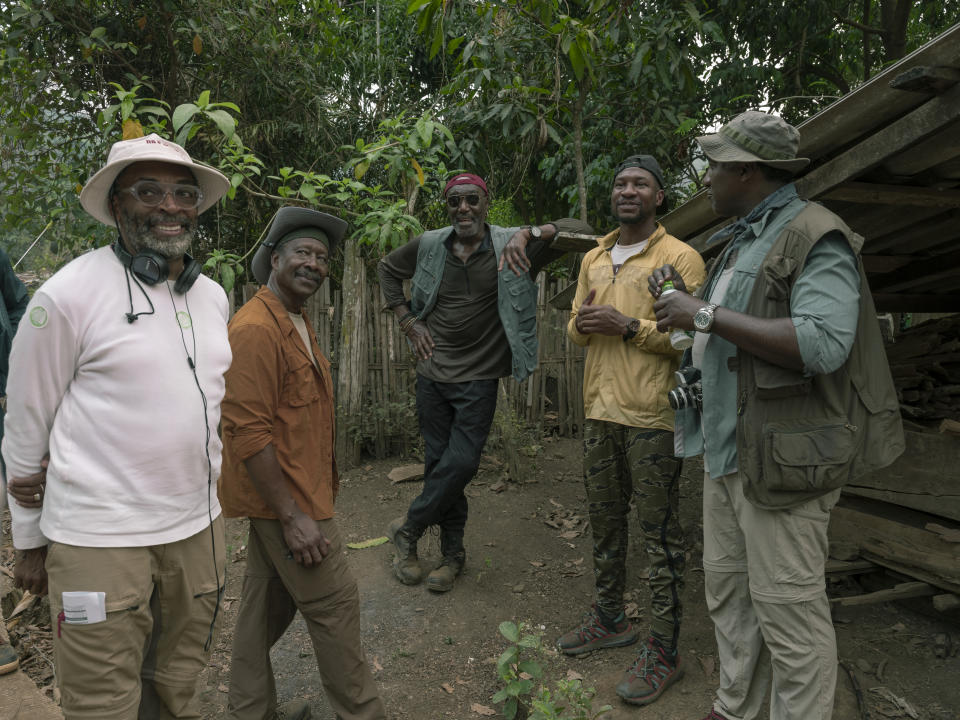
{"points": [[801, 456], [775, 382]]}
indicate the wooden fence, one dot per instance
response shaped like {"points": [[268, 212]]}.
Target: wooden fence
{"points": [[551, 398]]}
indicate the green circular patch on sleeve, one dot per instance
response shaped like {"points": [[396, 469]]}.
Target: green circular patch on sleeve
{"points": [[38, 316]]}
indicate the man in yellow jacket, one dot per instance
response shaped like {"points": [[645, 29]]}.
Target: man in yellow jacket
{"points": [[628, 432]]}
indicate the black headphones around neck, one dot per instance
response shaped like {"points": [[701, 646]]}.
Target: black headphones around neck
{"points": [[151, 267]]}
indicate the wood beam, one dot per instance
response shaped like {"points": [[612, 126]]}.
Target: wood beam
{"points": [[926, 79], [906, 302], [881, 264], [903, 591], [896, 137], [872, 104], [931, 153], [876, 194], [918, 237], [574, 242], [929, 270]]}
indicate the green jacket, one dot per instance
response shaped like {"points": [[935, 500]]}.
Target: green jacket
{"points": [[12, 306], [801, 437], [516, 296]]}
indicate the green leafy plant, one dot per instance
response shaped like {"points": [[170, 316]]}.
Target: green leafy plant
{"points": [[519, 666], [516, 669]]}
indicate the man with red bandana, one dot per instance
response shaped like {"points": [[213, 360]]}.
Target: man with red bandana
{"points": [[116, 374], [470, 320]]}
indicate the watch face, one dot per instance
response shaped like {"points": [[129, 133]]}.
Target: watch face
{"points": [[535, 232], [702, 319]]}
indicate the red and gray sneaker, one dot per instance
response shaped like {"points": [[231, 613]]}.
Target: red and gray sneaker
{"points": [[653, 672], [714, 715], [593, 634]]}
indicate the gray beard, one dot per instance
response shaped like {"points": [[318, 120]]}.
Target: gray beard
{"points": [[140, 238]]}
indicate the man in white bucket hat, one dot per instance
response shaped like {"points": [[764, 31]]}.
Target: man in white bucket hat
{"points": [[116, 375]]}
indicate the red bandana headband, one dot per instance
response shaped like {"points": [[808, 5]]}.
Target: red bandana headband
{"points": [[466, 179]]}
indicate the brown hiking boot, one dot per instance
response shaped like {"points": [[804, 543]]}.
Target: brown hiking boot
{"points": [[441, 579], [593, 634], [651, 673], [406, 564]]}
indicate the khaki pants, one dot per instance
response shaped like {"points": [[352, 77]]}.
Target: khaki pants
{"points": [[274, 587], [766, 593], [160, 602]]}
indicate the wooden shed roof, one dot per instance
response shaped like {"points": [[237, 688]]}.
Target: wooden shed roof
{"points": [[886, 158]]}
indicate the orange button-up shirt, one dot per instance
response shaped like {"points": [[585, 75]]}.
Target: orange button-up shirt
{"points": [[276, 394]]}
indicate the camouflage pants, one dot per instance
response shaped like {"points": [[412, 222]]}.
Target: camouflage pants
{"points": [[620, 462]]}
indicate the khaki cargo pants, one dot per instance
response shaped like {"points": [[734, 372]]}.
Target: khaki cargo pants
{"points": [[766, 594], [160, 602]]}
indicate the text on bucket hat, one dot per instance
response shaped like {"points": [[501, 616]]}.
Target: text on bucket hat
{"points": [[465, 179], [285, 226], [756, 137], [95, 196]]}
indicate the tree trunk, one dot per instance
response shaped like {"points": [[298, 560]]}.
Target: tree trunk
{"points": [[578, 146], [352, 371], [895, 15]]}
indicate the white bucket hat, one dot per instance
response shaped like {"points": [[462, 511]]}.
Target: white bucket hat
{"points": [[95, 196]]}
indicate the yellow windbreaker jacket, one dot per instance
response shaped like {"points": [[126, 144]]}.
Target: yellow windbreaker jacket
{"points": [[627, 382]]}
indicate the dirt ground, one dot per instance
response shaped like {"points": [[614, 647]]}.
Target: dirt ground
{"points": [[528, 560]]}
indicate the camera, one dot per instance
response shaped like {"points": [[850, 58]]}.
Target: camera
{"points": [[689, 391]]}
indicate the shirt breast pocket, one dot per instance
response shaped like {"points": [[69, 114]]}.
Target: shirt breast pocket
{"points": [[300, 386]]}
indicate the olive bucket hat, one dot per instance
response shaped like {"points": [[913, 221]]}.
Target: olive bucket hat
{"points": [[293, 222], [756, 137]]}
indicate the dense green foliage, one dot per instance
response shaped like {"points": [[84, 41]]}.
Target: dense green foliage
{"points": [[363, 107]]}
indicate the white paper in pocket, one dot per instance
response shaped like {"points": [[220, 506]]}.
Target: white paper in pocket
{"points": [[84, 608]]}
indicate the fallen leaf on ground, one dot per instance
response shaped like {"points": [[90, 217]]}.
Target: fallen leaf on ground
{"points": [[537, 563], [373, 542], [574, 675], [499, 487], [222, 688], [482, 709], [708, 664], [376, 664], [448, 687], [28, 599]]}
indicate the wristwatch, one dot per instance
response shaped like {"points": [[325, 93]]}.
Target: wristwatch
{"points": [[703, 318], [633, 327], [535, 232]]}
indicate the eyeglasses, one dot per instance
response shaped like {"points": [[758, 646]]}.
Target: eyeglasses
{"points": [[152, 193], [454, 200]]}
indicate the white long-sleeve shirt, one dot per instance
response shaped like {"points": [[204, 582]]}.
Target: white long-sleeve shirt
{"points": [[117, 406]]}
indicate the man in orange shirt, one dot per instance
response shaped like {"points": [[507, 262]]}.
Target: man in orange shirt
{"points": [[279, 470]]}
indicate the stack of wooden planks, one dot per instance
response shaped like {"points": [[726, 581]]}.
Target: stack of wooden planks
{"points": [[925, 363], [906, 517]]}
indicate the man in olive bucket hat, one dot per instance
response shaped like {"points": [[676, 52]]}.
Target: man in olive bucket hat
{"points": [[279, 470], [797, 400], [116, 373]]}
